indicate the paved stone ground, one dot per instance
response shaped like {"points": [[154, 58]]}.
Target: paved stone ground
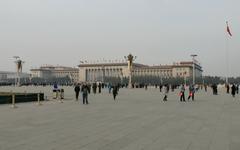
{"points": [[137, 120]]}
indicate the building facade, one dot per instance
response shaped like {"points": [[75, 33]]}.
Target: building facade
{"points": [[97, 72], [49, 71]]}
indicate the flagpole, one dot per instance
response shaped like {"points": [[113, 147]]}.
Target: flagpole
{"points": [[227, 51], [227, 59]]}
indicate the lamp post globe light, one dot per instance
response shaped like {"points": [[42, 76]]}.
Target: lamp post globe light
{"points": [[193, 60], [130, 58]]}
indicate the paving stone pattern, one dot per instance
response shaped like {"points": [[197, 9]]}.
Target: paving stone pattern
{"points": [[137, 120]]}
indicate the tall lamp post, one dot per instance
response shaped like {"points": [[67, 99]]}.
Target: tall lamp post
{"points": [[19, 64], [193, 60], [130, 58], [185, 78]]}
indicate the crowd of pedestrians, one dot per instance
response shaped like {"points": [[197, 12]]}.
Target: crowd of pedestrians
{"points": [[85, 90]]}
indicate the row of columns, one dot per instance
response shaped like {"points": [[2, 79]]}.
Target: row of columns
{"points": [[155, 73], [100, 73]]}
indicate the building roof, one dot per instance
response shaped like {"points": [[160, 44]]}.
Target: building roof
{"points": [[110, 64], [157, 67], [141, 66]]}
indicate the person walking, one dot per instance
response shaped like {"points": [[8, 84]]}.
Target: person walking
{"points": [[160, 87], [89, 87], [77, 90], [214, 88], [115, 91], [94, 86], [228, 88], [56, 91], [166, 90], [85, 91], [109, 88], [99, 87], [191, 92], [182, 95], [233, 88], [237, 88]]}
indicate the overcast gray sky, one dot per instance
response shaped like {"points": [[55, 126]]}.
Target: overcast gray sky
{"points": [[156, 31]]}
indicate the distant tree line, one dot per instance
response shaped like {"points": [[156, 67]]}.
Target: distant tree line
{"points": [[124, 80], [172, 80], [39, 81]]}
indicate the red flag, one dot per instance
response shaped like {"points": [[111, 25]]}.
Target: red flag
{"points": [[228, 30]]}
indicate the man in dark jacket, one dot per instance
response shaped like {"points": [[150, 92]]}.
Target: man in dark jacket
{"points": [[227, 88], [233, 88], [115, 91], [237, 88], [85, 91], [99, 87], [94, 87], [77, 90]]}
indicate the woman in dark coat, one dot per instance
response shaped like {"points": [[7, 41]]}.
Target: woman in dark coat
{"points": [[233, 90], [115, 91], [77, 90]]}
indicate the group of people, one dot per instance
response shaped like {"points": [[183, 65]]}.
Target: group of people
{"points": [[113, 89], [181, 93], [234, 89], [85, 89]]}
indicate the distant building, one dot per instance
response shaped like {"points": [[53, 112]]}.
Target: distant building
{"points": [[4, 75], [97, 72], [49, 71], [89, 72]]}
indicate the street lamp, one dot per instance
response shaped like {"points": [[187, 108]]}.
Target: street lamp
{"points": [[185, 78], [193, 60], [19, 64], [130, 58]]}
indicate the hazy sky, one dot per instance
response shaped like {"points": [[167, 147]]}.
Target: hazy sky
{"points": [[156, 31]]}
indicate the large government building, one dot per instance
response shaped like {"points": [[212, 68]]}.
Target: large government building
{"points": [[97, 72], [92, 72]]}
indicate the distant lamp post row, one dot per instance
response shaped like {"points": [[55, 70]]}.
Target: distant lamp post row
{"points": [[130, 58]]}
